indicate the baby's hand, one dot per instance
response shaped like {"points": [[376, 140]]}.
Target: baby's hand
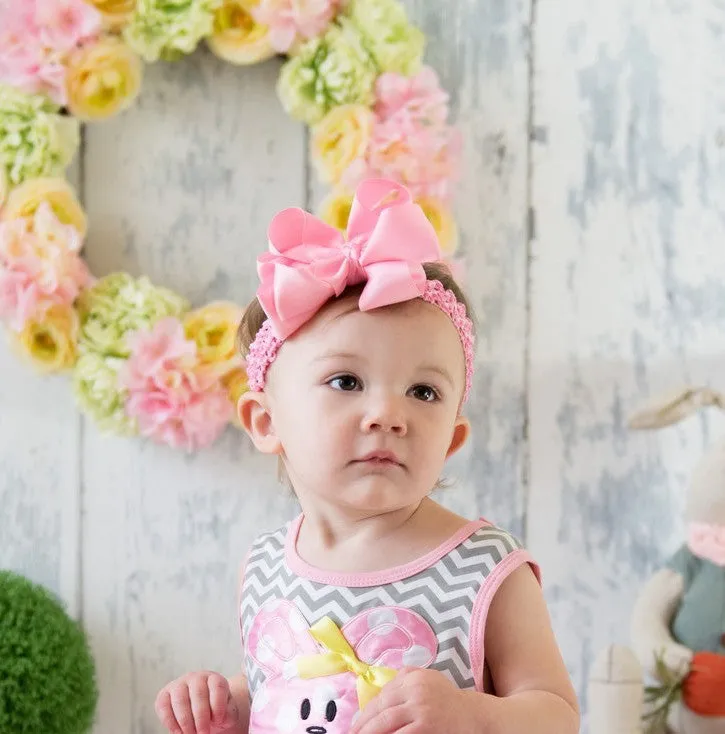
{"points": [[416, 700], [197, 703]]}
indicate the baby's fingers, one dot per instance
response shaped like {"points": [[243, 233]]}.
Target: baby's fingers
{"points": [[165, 712], [181, 704], [220, 699], [199, 694]]}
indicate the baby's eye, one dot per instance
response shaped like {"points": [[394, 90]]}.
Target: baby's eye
{"points": [[424, 392], [347, 383]]}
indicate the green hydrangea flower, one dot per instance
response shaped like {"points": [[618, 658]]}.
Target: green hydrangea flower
{"points": [[118, 305], [168, 29], [332, 70], [393, 42], [35, 140], [96, 388]]}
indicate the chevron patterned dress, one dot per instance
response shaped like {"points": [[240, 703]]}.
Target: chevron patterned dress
{"points": [[428, 613]]}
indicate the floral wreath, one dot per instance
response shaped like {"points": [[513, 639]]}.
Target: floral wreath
{"points": [[142, 362]]}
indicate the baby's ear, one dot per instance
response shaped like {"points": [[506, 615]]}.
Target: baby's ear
{"points": [[461, 432], [256, 419]]}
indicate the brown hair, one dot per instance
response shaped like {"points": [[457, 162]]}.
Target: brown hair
{"points": [[254, 315]]}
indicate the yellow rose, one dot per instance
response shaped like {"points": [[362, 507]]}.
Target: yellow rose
{"points": [[103, 78], [339, 139], [57, 192], [439, 215], [236, 384], [214, 330], [50, 341], [335, 209], [115, 12], [237, 37]]}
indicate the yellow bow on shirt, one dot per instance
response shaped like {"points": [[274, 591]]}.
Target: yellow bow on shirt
{"points": [[341, 658]]}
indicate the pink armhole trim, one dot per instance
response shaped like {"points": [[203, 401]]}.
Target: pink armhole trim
{"points": [[374, 578], [242, 574], [482, 604]]}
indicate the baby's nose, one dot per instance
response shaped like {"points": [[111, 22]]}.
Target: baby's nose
{"points": [[386, 426], [385, 415]]}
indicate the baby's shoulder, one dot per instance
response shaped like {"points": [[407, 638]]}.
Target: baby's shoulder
{"points": [[491, 541], [497, 536], [497, 551]]}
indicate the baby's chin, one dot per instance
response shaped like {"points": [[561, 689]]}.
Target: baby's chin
{"points": [[379, 493]]}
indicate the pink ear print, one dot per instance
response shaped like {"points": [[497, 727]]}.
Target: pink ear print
{"points": [[392, 637], [277, 635]]}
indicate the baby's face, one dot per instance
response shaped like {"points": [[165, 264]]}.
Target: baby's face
{"points": [[365, 404]]}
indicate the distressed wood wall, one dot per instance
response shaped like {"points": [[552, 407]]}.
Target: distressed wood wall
{"points": [[592, 209]]}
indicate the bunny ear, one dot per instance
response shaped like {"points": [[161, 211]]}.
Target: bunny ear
{"points": [[675, 408], [277, 635], [392, 637]]}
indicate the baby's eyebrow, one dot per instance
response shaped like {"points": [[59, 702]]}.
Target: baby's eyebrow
{"points": [[442, 371], [336, 355]]}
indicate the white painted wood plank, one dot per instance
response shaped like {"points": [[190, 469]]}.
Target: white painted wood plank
{"points": [[39, 481], [180, 188], [627, 294], [479, 50]]}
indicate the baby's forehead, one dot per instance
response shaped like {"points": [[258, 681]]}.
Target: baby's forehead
{"points": [[343, 317], [409, 328]]}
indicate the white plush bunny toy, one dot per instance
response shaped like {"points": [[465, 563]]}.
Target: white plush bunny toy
{"points": [[678, 622]]}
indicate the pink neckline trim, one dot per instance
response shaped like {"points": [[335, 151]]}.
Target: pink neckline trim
{"points": [[372, 578]]}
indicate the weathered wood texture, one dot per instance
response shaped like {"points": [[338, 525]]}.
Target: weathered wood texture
{"points": [[626, 294], [591, 210], [202, 163]]}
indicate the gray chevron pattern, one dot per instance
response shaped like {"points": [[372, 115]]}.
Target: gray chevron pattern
{"points": [[442, 594]]}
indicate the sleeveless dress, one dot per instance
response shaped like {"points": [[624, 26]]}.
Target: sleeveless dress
{"points": [[319, 645]]}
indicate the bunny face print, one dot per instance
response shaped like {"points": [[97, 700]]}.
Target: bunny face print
{"points": [[318, 677]]}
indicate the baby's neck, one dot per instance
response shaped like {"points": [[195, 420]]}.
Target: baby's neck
{"points": [[332, 540]]}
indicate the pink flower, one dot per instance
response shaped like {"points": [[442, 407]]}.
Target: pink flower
{"points": [[66, 24], [174, 400], [411, 141], [35, 38], [19, 297], [420, 97], [40, 266], [290, 21]]}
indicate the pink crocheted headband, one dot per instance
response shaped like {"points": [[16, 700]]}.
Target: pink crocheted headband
{"points": [[310, 262]]}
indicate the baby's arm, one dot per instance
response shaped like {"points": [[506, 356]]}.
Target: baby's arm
{"points": [[533, 689]]}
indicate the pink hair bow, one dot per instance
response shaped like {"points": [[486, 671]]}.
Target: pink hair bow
{"points": [[388, 239]]}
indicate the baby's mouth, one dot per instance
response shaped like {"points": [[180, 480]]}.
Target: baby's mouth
{"points": [[379, 458]]}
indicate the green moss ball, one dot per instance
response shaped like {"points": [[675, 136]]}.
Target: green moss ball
{"points": [[47, 674]]}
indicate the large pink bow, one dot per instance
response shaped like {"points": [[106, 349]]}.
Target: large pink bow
{"points": [[388, 239]]}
